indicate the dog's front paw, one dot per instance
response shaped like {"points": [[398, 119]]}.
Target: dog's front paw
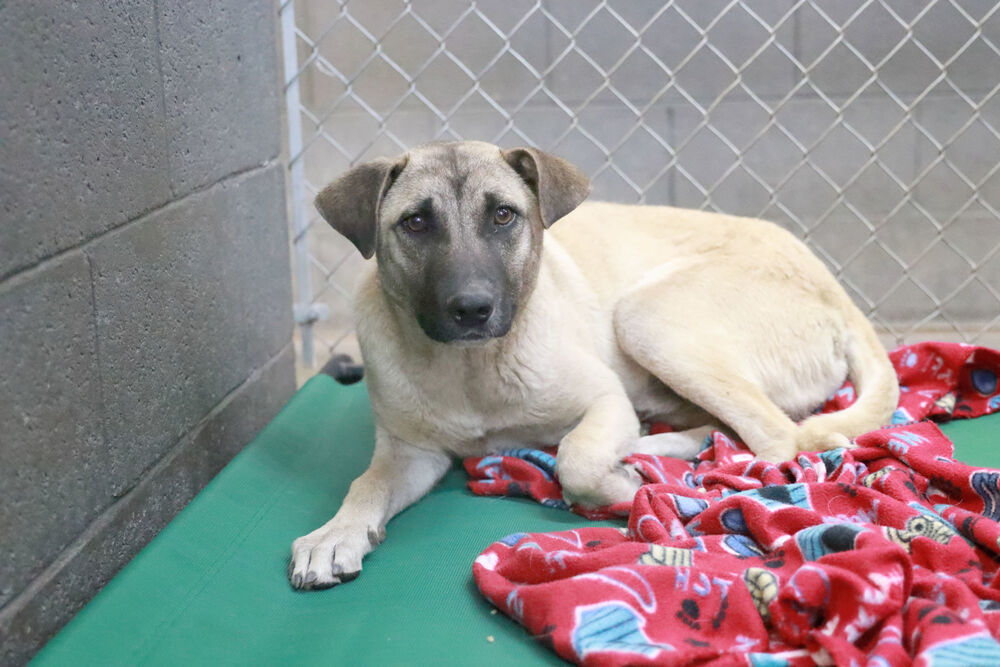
{"points": [[330, 556], [591, 486]]}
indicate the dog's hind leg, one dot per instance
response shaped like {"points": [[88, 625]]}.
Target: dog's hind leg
{"points": [[655, 325]]}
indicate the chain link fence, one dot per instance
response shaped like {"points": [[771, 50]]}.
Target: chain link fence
{"points": [[871, 129]]}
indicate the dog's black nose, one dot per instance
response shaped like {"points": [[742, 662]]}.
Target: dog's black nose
{"points": [[470, 308]]}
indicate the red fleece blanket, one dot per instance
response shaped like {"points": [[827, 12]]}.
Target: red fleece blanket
{"points": [[884, 554]]}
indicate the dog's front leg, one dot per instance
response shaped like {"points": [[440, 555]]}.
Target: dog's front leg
{"points": [[399, 475], [588, 462]]}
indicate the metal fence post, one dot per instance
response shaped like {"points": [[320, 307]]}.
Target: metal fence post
{"points": [[300, 223]]}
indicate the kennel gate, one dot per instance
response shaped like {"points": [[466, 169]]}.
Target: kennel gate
{"points": [[867, 127]]}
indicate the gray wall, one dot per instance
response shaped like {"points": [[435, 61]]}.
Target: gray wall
{"points": [[872, 131], [144, 282]]}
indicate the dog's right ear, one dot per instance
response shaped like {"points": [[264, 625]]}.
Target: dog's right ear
{"points": [[351, 203]]}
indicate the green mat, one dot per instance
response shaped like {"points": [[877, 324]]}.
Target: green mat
{"points": [[211, 588]]}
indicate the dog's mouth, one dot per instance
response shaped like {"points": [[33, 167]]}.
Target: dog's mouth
{"points": [[444, 331], [460, 339], [473, 336], [470, 340]]}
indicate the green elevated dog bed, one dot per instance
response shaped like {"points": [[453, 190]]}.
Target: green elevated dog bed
{"points": [[211, 588]]}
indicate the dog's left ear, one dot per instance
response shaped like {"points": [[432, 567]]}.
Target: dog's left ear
{"points": [[351, 203], [558, 185]]}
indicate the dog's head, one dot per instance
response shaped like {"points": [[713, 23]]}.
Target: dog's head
{"points": [[456, 228]]}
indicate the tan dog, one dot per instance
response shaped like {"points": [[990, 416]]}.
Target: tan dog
{"points": [[476, 336]]}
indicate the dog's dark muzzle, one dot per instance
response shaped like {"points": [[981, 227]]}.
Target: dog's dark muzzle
{"points": [[470, 316]]}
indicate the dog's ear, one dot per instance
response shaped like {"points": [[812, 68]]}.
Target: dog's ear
{"points": [[351, 203], [558, 185]]}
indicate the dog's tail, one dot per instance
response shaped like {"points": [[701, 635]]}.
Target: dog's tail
{"points": [[875, 384]]}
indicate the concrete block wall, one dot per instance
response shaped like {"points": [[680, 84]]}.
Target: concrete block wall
{"points": [[145, 301], [779, 141]]}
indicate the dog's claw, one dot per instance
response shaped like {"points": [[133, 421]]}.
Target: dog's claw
{"points": [[326, 585]]}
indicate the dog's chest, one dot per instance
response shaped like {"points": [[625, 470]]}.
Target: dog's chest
{"points": [[472, 408]]}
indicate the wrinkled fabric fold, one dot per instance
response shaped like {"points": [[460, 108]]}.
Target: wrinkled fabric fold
{"points": [[882, 554]]}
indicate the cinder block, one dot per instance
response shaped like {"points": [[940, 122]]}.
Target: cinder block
{"points": [[354, 136], [409, 43], [221, 88], [946, 33], [342, 50], [957, 153], [188, 301], [125, 528], [822, 149], [627, 167], [667, 39], [945, 270], [736, 154], [638, 154], [346, 38], [440, 15], [506, 79], [871, 125], [710, 148], [872, 271], [935, 271], [541, 124], [52, 458], [942, 30], [839, 236], [869, 40], [261, 252], [81, 118], [644, 157], [527, 29], [972, 238], [474, 122]]}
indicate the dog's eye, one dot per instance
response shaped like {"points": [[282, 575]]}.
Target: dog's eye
{"points": [[415, 223], [503, 216]]}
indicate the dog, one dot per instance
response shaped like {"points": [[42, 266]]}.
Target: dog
{"points": [[482, 329]]}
